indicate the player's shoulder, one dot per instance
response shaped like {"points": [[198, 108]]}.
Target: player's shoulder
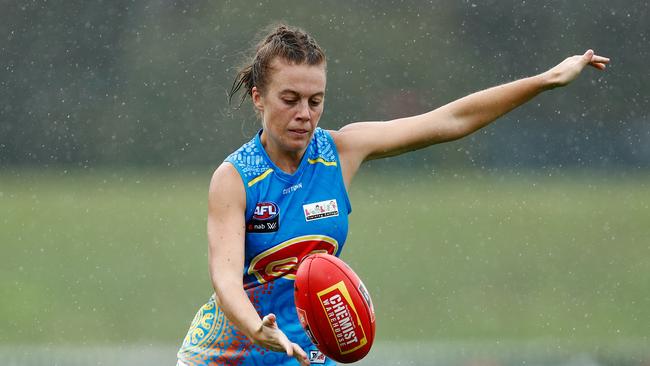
{"points": [[249, 160], [225, 171], [322, 137], [244, 154], [226, 181], [337, 137], [347, 137]]}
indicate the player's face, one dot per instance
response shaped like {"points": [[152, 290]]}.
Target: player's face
{"points": [[291, 105]]}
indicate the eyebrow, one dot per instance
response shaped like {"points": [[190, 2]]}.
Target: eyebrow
{"points": [[289, 91]]}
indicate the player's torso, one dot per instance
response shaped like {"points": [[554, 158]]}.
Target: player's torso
{"points": [[290, 215], [291, 218]]}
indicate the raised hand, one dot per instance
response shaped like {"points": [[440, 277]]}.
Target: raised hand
{"points": [[569, 69]]}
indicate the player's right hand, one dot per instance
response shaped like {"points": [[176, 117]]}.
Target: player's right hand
{"points": [[566, 71], [271, 337]]}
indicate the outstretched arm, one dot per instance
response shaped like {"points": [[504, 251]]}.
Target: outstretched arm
{"points": [[362, 141]]}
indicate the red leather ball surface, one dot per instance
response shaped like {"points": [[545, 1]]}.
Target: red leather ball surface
{"points": [[334, 308]]}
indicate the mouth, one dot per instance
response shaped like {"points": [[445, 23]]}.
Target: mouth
{"points": [[299, 132]]}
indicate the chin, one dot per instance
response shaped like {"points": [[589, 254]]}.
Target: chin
{"points": [[297, 147], [298, 144]]}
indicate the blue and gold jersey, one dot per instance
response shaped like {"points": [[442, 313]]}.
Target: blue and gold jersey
{"points": [[288, 216]]}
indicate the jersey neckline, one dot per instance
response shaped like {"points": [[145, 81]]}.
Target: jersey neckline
{"points": [[291, 178]]}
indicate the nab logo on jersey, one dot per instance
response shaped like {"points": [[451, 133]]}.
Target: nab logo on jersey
{"points": [[266, 218]]}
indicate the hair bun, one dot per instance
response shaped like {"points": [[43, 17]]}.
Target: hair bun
{"points": [[281, 41]]}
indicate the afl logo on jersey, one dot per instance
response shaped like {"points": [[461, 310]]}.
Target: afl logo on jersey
{"points": [[266, 218], [265, 211]]}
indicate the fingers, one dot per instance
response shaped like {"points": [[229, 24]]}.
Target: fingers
{"points": [[600, 59], [269, 320], [288, 347], [599, 66], [594, 60], [599, 62], [300, 354], [281, 342]]}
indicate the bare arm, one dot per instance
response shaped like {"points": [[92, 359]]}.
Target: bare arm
{"points": [[363, 141], [226, 233]]}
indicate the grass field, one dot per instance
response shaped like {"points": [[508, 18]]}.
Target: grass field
{"points": [[113, 257]]}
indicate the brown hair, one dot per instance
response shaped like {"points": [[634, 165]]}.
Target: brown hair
{"points": [[291, 44]]}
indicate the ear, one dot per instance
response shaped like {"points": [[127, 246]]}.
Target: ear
{"points": [[257, 99]]}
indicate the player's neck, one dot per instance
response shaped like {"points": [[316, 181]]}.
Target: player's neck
{"points": [[287, 161]]}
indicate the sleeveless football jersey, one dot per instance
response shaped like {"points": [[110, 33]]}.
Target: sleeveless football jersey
{"points": [[288, 216]]}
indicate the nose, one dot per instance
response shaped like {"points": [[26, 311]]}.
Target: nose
{"points": [[304, 113]]}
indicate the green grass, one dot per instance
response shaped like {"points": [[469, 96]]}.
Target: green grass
{"points": [[121, 256], [505, 257]]}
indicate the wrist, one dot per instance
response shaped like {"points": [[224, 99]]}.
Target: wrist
{"points": [[548, 80], [254, 332]]}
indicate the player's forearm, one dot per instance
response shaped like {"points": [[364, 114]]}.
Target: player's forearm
{"points": [[479, 109], [237, 307]]}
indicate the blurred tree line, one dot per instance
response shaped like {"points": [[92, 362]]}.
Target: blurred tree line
{"points": [[104, 83]]}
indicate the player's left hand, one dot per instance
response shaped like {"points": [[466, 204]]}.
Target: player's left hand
{"points": [[569, 69], [272, 337]]}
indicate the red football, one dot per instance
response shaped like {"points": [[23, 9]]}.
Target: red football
{"points": [[334, 308]]}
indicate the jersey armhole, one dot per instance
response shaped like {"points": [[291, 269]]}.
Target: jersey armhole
{"points": [[247, 193], [340, 171]]}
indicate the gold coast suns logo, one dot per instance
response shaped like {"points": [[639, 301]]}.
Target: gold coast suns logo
{"points": [[282, 259]]}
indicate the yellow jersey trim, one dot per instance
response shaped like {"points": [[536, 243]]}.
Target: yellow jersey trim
{"points": [[322, 161], [260, 177]]}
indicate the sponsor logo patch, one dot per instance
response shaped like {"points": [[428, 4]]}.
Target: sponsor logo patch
{"points": [[320, 210], [316, 357], [266, 218], [343, 318]]}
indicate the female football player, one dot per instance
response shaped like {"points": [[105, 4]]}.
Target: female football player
{"points": [[283, 194]]}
